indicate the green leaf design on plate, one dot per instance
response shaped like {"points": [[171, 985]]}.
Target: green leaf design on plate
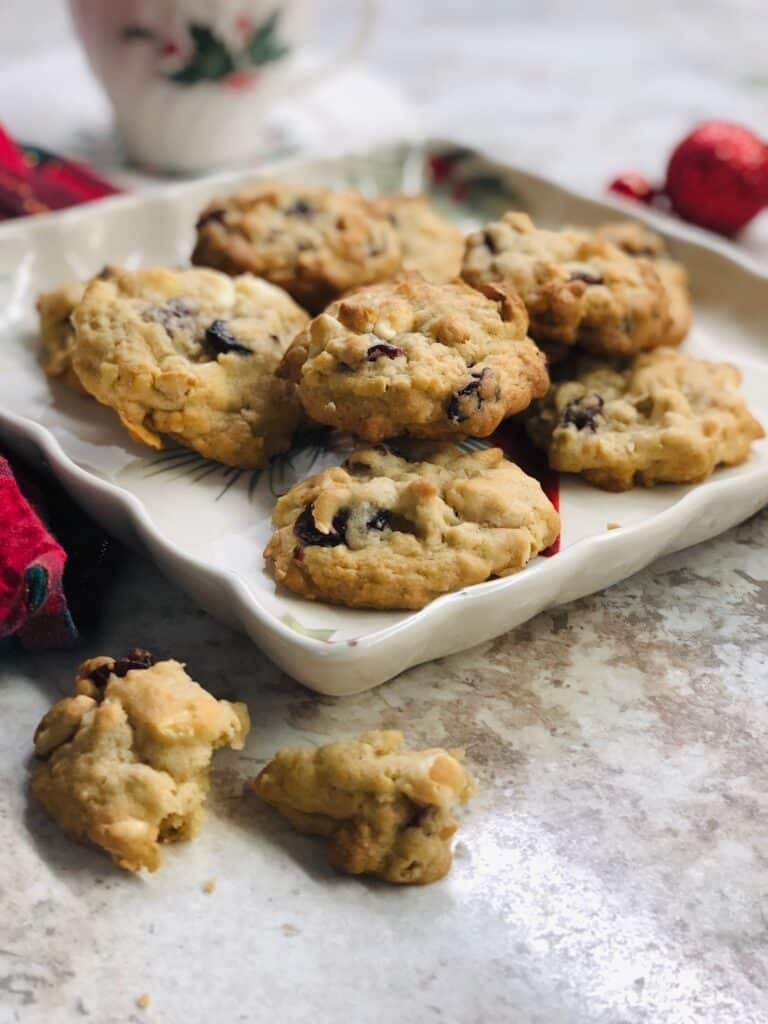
{"points": [[264, 47], [210, 60], [297, 627]]}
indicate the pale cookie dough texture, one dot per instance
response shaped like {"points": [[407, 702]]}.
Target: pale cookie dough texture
{"points": [[313, 242], [580, 288], [409, 356], [124, 763], [387, 812], [191, 354], [398, 529], [664, 417], [430, 244]]}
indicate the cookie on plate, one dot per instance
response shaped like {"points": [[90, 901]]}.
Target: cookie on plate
{"points": [[192, 354], [639, 241], [429, 242], [57, 333], [396, 529], [578, 288], [409, 356], [387, 812], [662, 417], [313, 242], [124, 763]]}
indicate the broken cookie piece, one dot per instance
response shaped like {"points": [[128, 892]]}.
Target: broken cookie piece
{"points": [[387, 811], [125, 761]]}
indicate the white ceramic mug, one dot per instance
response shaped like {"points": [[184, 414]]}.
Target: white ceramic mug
{"points": [[191, 81]]}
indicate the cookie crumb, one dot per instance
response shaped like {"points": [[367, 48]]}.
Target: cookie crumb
{"points": [[142, 1001], [210, 885], [289, 930], [613, 526]]}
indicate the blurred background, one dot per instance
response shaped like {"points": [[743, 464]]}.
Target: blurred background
{"points": [[579, 92]]}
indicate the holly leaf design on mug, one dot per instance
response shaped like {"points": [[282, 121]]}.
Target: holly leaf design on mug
{"points": [[264, 47], [210, 59]]}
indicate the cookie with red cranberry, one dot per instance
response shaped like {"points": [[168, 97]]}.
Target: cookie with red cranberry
{"points": [[191, 354], [313, 242], [662, 417], [430, 243], [578, 288], [409, 356], [396, 528], [123, 763]]}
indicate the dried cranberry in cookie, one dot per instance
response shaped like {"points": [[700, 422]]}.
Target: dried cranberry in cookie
{"points": [[409, 356], [313, 242], [581, 288], [661, 417], [192, 354], [396, 528]]}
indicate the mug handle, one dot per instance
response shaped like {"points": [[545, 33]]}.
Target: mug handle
{"points": [[369, 9]]}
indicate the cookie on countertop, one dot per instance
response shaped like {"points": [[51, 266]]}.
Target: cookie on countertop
{"points": [[313, 242], [430, 244], [387, 812], [663, 417], [409, 356], [578, 288], [192, 354], [124, 763], [398, 528]]}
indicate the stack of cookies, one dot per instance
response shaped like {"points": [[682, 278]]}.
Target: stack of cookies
{"points": [[378, 318]]}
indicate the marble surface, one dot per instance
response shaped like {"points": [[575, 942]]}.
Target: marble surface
{"points": [[612, 868]]}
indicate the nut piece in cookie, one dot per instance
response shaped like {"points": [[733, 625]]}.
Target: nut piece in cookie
{"points": [[313, 242], [409, 356], [387, 812], [662, 417], [579, 288], [397, 529], [430, 244], [192, 354], [124, 763]]}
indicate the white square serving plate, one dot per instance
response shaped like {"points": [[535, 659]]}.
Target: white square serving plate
{"points": [[206, 525]]}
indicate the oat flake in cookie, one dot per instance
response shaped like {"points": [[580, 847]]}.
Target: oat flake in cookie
{"points": [[579, 288], [409, 356], [313, 242], [662, 417], [396, 529], [123, 764], [387, 812], [192, 354]]}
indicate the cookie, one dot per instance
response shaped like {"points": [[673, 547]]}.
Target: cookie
{"points": [[387, 812], [313, 242], [396, 529], [408, 356], [663, 417], [429, 243], [639, 241], [192, 354], [57, 332], [578, 288], [124, 763]]}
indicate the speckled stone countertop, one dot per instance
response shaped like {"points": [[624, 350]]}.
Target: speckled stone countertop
{"points": [[612, 868]]}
